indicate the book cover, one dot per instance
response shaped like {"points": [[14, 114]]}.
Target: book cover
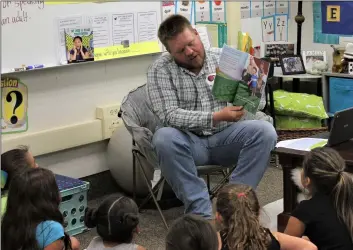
{"points": [[240, 79], [79, 44]]}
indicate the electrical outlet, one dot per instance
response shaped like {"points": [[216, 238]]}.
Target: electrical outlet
{"points": [[109, 126], [110, 120], [108, 111]]}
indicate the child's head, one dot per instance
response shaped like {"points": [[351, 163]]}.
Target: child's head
{"points": [[33, 198], [254, 70], [324, 172], [16, 160], [238, 211], [116, 219], [191, 232]]}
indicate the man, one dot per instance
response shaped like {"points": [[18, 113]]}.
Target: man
{"points": [[199, 130]]}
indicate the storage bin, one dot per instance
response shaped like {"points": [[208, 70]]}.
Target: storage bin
{"points": [[340, 94], [73, 203]]}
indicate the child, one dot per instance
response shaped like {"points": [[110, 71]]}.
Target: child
{"points": [[253, 81], [117, 221], [12, 162], [327, 218], [15, 160], [32, 219], [238, 212], [191, 232]]}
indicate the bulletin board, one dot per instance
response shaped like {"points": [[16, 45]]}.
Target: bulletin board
{"points": [[33, 31], [332, 21]]}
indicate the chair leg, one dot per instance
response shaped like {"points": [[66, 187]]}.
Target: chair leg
{"points": [[208, 182], [215, 190], [133, 176], [155, 189], [152, 194]]}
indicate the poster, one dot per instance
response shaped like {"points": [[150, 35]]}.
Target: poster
{"points": [[281, 30], [337, 17], [202, 10], [218, 11], [319, 36], [79, 44], [14, 105], [268, 29]]}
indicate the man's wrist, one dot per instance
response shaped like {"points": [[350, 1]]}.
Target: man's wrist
{"points": [[216, 117]]}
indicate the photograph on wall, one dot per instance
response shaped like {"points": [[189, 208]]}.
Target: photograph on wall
{"points": [[79, 44], [14, 105], [275, 50]]}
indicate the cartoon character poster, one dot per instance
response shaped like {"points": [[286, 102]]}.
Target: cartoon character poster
{"points": [[14, 105]]}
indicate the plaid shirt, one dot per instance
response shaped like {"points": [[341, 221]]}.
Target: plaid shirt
{"points": [[182, 99]]}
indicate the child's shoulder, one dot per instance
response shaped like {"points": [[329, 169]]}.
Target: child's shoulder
{"points": [[49, 227]]}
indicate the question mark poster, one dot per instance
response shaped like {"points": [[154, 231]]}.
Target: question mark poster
{"points": [[14, 105]]}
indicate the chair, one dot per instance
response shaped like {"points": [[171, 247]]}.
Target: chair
{"points": [[141, 123]]}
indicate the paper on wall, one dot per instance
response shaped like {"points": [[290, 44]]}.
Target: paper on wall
{"points": [[252, 26], [168, 9], [100, 24], [269, 8], [123, 28], [281, 30], [245, 9], [257, 8], [282, 7], [202, 9], [268, 29], [184, 8], [147, 26], [203, 33], [218, 11]]}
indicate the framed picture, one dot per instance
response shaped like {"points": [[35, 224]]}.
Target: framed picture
{"points": [[277, 49], [292, 65], [309, 57]]}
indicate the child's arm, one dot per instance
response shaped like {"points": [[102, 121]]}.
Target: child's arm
{"points": [[295, 227], [288, 242], [141, 248]]}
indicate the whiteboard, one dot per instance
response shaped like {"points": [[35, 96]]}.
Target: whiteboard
{"points": [[32, 32]]}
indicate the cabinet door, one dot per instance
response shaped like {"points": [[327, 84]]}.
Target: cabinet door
{"points": [[340, 94]]}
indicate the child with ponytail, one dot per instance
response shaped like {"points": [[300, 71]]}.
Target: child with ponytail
{"points": [[116, 220], [238, 213], [327, 218]]}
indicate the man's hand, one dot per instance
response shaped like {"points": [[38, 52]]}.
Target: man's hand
{"points": [[229, 114]]}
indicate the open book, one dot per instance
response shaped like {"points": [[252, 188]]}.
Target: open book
{"points": [[240, 79]]}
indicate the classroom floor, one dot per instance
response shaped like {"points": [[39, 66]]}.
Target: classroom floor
{"points": [[152, 229]]}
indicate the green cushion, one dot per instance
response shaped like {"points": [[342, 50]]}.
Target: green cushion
{"points": [[291, 122], [299, 105], [3, 204]]}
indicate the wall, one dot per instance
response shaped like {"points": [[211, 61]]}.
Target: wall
{"points": [[69, 95]]}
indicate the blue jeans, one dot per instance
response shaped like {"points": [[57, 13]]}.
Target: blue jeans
{"points": [[247, 144]]}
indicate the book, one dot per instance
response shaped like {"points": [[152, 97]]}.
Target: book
{"points": [[79, 44], [240, 79]]}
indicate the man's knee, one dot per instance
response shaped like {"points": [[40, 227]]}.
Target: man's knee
{"points": [[267, 131], [164, 138]]}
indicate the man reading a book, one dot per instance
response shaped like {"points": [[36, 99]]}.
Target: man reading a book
{"points": [[199, 130]]}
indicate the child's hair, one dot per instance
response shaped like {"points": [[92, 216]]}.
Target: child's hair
{"points": [[116, 219], [191, 232], [13, 161], [255, 69], [33, 198], [326, 170], [239, 207]]}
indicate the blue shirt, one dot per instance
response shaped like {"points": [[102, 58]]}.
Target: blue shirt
{"points": [[253, 81], [48, 232]]}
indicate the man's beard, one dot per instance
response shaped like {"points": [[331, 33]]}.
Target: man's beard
{"points": [[190, 66]]}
